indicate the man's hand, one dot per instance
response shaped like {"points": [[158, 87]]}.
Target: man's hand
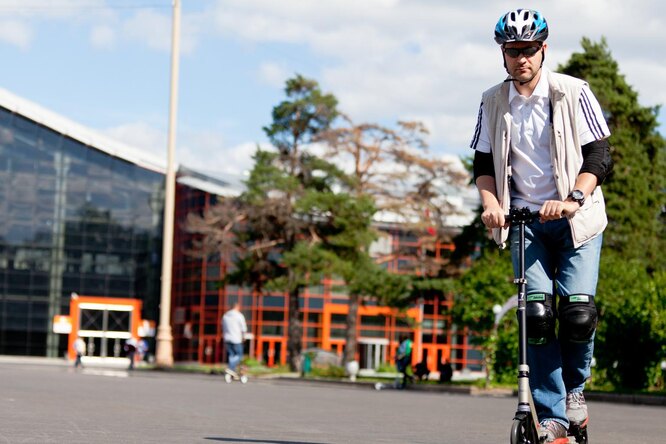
{"points": [[557, 209], [493, 217]]}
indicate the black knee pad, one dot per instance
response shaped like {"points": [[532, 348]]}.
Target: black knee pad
{"points": [[578, 317], [541, 315]]}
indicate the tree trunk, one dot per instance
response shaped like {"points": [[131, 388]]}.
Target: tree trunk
{"points": [[295, 331], [352, 321]]}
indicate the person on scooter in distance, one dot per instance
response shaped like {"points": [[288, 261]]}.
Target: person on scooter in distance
{"points": [[541, 142], [234, 329]]}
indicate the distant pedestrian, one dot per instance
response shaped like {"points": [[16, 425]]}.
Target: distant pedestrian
{"points": [[234, 329], [445, 371], [142, 349], [80, 350], [403, 359], [131, 347], [421, 370]]}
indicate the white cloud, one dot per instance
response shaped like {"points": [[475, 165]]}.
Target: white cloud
{"points": [[648, 78], [273, 74], [103, 37], [204, 151], [153, 28], [16, 33], [140, 135], [390, 59], [150, 28], [385, 60], [52, 9], [199, 149]]}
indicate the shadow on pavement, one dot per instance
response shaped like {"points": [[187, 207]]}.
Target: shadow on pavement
{"points": [[258, 441]]}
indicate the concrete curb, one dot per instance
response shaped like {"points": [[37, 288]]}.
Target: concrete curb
{"points": [[619, 398], [658, 400], [623, 398]]}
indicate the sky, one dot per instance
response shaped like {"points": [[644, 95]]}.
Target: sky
{"points": [[105, 64]]}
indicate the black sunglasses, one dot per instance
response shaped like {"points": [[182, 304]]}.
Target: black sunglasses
{"points": [[527, 51]]}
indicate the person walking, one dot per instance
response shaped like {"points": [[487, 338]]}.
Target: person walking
{"points": [[233, 330], [80, 350], [403, 359], [541, 142], [131, 347]]}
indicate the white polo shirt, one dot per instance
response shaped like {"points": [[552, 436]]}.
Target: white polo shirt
{"points": [[533, 182]]}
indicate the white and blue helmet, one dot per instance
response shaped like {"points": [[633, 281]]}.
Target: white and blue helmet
{"points": [[521, 25]]}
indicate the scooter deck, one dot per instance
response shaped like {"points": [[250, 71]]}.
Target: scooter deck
{"points": [[571, 439], [230, 376]]}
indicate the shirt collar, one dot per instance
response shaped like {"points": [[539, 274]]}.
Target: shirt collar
{"points": [[541, 89]]}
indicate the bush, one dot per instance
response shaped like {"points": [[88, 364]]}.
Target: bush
{"points": [[251, 363], [505, 365], [632, 323], [329, 371], [386, 367]]}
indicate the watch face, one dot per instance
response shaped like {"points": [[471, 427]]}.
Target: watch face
{"points": [[577, 195]]}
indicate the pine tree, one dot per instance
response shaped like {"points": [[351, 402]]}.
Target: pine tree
{"points": [[631, 297], [636, 191]]}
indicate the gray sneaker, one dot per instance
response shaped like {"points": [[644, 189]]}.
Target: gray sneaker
{"points": [[553, 432], [576, 409]]}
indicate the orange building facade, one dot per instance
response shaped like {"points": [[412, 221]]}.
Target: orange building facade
{"points": [[105, 324], [199, 301]]}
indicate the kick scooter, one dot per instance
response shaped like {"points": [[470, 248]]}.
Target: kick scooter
{"points": [[230, 375], [525, 428]]}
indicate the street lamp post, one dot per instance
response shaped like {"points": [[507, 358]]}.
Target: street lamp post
{"points": [[164, 352]]}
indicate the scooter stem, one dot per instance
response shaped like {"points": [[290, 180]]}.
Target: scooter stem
{"points": [[522, 299]]}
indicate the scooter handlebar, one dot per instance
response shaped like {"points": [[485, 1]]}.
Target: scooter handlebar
{"points": [[518, 215]]}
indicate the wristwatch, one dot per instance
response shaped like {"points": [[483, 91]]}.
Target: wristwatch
{"points": [[577, 196]]}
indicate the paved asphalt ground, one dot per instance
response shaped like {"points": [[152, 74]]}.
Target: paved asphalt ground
{"points": [[55, 404]]}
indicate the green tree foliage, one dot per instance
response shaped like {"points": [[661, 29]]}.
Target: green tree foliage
{"points": [[296, 220], [488, 283], [630, 291], [390, 166], [306, 112], [636, 191], [631, 336], [274, 229]]}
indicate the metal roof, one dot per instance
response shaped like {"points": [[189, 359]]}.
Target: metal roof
{"points": [[80, 133], [195, 179]]}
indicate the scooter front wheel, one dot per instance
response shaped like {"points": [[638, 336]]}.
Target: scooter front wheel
{"points": [[523, 431], [243, 379]]}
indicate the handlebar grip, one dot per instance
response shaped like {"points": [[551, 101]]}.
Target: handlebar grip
{"points": [[525, 215]]}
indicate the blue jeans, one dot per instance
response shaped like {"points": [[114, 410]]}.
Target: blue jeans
{"points": [[554, 266], [234, 354]]}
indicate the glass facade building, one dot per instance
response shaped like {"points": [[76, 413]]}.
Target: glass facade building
{"points": [[73, 219]]}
